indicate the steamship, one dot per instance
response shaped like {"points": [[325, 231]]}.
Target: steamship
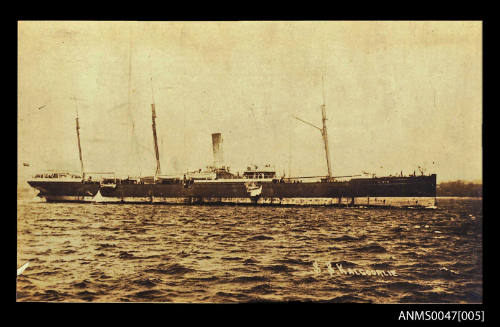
{"points": [[216, 184]]}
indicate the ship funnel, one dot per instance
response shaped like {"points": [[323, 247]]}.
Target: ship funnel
{"points": [[217, 148]]}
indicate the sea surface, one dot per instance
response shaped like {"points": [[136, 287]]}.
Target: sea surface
{"points": [[220, 254]]}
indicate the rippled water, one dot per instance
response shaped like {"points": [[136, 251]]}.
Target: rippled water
{"points": [[173, 253]]}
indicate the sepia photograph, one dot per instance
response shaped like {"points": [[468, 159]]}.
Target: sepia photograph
{"points": [[250, 161]]}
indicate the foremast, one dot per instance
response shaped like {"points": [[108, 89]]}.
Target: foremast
{"points": [[157, 153], [78, 137]]}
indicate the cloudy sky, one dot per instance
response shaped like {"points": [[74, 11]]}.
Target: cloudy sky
{"points": [[398, 95]]}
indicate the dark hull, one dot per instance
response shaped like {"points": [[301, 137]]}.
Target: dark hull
{"points": [[419, 190], [54, 191], [422, 186]]}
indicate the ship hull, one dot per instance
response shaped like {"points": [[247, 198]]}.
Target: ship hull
{"points": [[417, 192], [422, 186], [401, 192], [56, 191]]}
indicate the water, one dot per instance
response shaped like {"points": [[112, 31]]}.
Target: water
{"points": [[173, 253]]}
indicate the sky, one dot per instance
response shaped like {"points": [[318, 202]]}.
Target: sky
{"points": [[398, 95]]}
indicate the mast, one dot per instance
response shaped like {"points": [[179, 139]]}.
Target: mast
{"points": [[157, 153], [79, 147], [324, 132], [289, 153], [78, 137]]}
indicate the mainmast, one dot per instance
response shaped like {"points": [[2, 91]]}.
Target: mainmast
{"points": [[78, 136]]}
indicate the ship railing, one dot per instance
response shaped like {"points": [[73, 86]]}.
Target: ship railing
{"points": [[234, 180], [323, 179], [57, 176]]}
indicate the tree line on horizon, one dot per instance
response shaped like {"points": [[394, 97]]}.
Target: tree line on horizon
{"points": [[459, 188]]}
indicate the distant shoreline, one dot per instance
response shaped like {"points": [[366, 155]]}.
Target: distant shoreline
{"points": [[451, 197], [459, 189]]}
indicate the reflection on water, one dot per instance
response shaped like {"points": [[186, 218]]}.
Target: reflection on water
{"points": [[173, 253]]}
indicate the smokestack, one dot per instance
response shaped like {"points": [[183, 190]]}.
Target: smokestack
{"points": [[217, 147]]}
